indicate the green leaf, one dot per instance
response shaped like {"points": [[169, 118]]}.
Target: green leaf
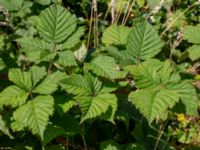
{"points": [[43, 2], [34, 48], [116, 35], [119, 54], [4, 129], [2, 40], [2, 64], [109, 115], [37, 74], [50, 83], [51, 132], [166, 73], [94, 83], [191, 34], [109, 145], [134, 147], [152, 103], [12, 5], [188, 96], [13, 96], [92, 107], [153, 73], [56, 24], [140, 3], [66, 59], [72, 40], [35, 114], [143, 42], [104, 66], [194, 52], [21, 78], [89, 85], [145, 76], [76, 84], [68, 104]]}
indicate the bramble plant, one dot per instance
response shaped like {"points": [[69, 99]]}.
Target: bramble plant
{"points": [[137, 88]]}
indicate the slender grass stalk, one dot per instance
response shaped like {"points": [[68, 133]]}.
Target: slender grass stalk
{"points": [[83, 137], [107, 11], [129, 11], [125, 12], [160, 133], [176, 42], [156, 9], [118, 14], [174, 21], [113, 9], [90, 27], [95, 24]]}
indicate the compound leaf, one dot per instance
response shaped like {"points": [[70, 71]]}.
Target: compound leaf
{"points": [[13, 96], [66, 59], [191, 34], [76, 84], [72, 40], [21, 78], [104, 66], [50, 83], [194, 52], [152, 103], [37, 74], [143, 42], [92, 107], [3, 128], [116, 35], [188, 96], [34, 48], [34, 115], [56, 24]]}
